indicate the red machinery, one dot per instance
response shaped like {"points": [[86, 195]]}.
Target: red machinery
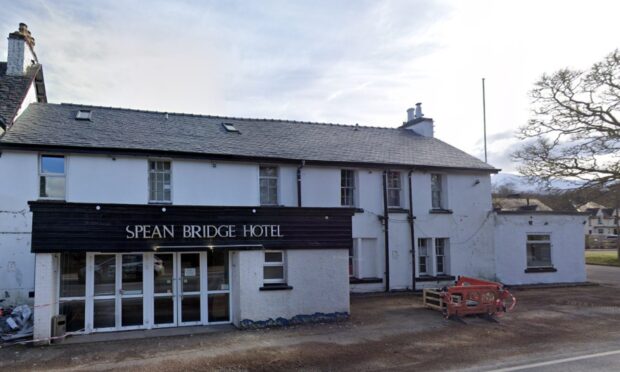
{"points": [[471, 296]]}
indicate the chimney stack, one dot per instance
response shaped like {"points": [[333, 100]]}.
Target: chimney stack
{"points": [[410, 114], [417, 123], [21, 51]]}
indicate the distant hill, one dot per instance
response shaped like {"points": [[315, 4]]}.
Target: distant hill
{"points": [[520, 184]]}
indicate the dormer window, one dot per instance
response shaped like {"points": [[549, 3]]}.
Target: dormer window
{"points": [[230, 128], [83, 115]]}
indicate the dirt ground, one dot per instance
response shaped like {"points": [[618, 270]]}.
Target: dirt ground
{"points": [[385, 332]]}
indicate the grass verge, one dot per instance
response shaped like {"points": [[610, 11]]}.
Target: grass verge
{"points": [[602, 258]]}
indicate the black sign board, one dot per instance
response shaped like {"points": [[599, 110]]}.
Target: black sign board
{"points": [[66, 227]]}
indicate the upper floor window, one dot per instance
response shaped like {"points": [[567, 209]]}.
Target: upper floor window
{"points": [[393, 189], [268, 185], [52, 177], [437, 191], [539, 250], [347, 188], [159, 181]]}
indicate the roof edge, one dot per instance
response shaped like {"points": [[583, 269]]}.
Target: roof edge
{"points": [[224, 157]]}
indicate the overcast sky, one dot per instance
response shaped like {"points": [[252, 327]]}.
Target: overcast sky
{"points": [[348, 62]]}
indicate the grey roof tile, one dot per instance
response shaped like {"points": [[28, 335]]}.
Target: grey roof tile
{"points": [[13, 90], [125, 129]]}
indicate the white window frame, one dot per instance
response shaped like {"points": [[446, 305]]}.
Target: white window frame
{"points": [[441, 191], [276, 177], [528, 242], [281, 263], [350, 187], [427, 256], [58, 175], [151, 172], [432, 258], [399, 188], [441, 257]]}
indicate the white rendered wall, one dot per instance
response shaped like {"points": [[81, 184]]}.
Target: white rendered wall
{"points": [[31, 96], [106, 179], [46, 299], [18, 184], [469, 227], [320, 187], [319, 278], [567, 247], [196, 182]]}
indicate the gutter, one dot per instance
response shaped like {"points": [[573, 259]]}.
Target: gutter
{"points": [[386, 231], [303, 162], [410, 217]]}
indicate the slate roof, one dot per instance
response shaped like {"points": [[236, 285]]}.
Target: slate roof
{"points": [[13, 90], [115, 129], [520, 204]]}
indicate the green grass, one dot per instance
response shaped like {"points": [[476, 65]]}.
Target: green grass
{"points": [[609, 258]]}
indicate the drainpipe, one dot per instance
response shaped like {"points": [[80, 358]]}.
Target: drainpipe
{"points": [[411, 229], [303, 162], [387, 235]]}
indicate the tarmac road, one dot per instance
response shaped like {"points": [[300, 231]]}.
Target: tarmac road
{"points": [[608, 275], [552, 329]]}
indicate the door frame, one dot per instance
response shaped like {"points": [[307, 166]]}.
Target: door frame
{"points": [[148, 292]]}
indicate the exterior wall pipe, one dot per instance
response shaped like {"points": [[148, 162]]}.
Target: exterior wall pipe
{"points": [[303, 162], [411, 218], [387, 232]]}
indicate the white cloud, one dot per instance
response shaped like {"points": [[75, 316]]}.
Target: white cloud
{"points": [[355, 62]]}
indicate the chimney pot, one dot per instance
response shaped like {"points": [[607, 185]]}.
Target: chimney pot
{"points": [[410, 114], [418, 110]]}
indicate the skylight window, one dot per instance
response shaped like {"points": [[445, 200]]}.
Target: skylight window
{"points": [[230, 128], [83, 115]]}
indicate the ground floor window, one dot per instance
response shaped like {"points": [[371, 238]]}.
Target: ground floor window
{"points": [[538, 250], [103, 291], [274, 268], [433, 256], [72, 290], [423, 255]]}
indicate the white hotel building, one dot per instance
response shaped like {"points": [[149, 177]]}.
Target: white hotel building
{"points": [[125, 219]]}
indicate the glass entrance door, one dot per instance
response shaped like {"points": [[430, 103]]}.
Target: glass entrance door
{"points": [[177, 289], [189, 288], [131, 291], [164, 290], [118, 291]]}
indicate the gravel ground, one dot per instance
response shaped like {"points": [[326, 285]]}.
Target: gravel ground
{"points": [[385, 332]]}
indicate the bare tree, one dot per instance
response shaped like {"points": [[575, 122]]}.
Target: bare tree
{"points": [[575, 130]]}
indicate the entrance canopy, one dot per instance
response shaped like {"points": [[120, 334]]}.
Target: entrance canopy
{"points": [[91, 227]]}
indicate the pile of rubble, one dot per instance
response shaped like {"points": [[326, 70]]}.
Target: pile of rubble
{"points": [[15, 323]]}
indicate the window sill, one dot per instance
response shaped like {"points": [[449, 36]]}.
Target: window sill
{"points": [[438, 278], [397, 210], [154, 202], [440, 211], [530, 270], [365, 280], [275, 287]]}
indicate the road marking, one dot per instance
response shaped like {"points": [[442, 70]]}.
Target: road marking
{"points": [[557, 361]]}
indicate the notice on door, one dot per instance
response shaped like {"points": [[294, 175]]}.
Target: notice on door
{"points": [[189, 272]]}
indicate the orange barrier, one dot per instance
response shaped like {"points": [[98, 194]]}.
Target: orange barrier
{"points": [[471, 296]]}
